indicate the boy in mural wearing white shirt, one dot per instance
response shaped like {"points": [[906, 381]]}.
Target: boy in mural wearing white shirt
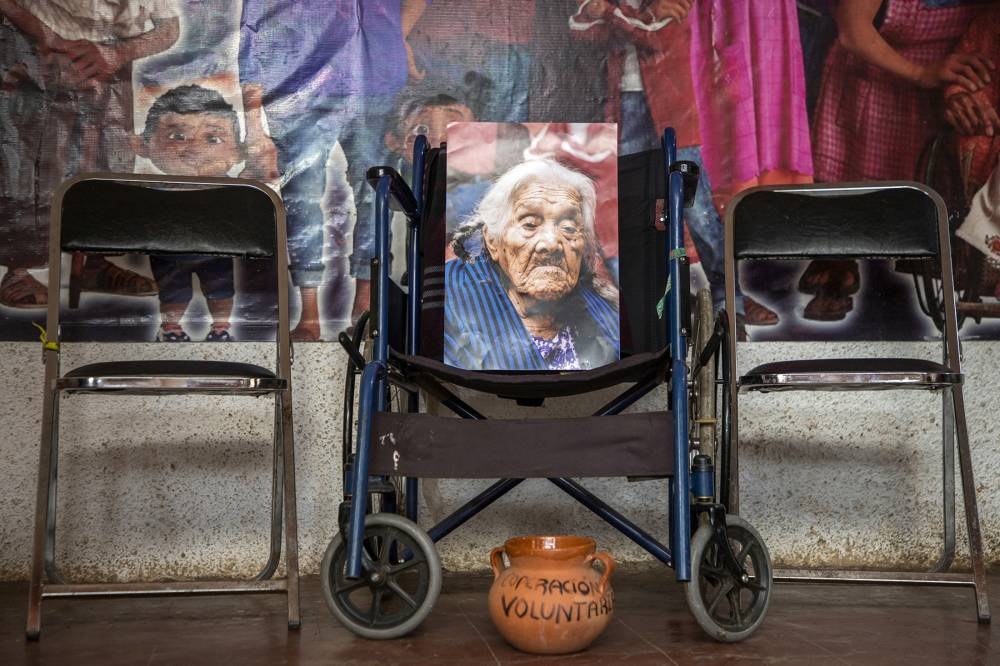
{"points": [[194, 131], [70, 67]]}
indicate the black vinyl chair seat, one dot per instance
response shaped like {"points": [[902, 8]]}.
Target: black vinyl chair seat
{"points": [[849, 374], [161, 376]]}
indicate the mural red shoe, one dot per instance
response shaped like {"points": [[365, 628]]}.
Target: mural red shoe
{"points": [[758, 314], [20, 290], [100, 275], [830, 274], [828, 307]]}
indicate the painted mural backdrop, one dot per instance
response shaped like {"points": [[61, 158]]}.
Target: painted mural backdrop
{"points": [[306, 94]]}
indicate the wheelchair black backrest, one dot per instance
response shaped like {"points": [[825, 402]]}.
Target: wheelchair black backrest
{"points": [[642, 278], [836, 221]]}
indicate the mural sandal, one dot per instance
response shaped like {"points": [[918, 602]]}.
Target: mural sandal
{"points": [[306, 332], [827, 306], [219, 336], [840, 274], [19, 289], [100, 275], [172, 336], [758, 314]]}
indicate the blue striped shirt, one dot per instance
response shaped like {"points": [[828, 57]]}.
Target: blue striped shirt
{"points": [[483, 330]]}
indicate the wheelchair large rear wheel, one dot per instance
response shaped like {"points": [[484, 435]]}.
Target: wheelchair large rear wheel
{"points": [[727, 608], [399, 584]]}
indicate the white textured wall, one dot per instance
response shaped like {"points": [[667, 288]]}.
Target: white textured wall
{"points": [[836, 478]]}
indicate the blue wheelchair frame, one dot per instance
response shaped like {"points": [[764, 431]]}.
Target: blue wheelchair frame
{"points": [[683, 515]]}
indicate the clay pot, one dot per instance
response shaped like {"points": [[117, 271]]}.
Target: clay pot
{"points": [[551, 599]]}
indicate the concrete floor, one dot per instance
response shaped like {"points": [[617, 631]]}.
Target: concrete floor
{"points": [[815, 624]]}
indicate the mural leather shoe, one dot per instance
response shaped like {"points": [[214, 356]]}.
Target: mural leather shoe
{"points": [[100, 275], [20, 290], [828, 273], [758, 314], [177, 335], [827, 306], [222, 335]]}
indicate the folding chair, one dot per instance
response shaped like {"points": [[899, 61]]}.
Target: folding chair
{"points": [[898, 220], [114, 214]]}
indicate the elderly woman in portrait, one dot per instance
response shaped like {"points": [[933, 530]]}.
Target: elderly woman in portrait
{"points": [[528, 290]]}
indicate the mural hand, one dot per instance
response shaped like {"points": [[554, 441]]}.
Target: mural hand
{"points": [[674, 9], [594, 9], [93, 61], [969, 70], [970, 114]]}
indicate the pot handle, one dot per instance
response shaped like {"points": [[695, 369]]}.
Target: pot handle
{"points": [[609, 568], [496, 561]]}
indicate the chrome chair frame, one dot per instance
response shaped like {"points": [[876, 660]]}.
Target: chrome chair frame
{"points": [[166, 378], [871, 374]]}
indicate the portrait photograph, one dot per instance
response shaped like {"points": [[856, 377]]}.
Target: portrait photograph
{"points": [[531, 277]]}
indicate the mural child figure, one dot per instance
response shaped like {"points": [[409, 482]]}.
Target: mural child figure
{"points": [[194, 131], [650, 87], [67, 103], [418, 111], [879, 105], [330, 72], [475, 50]]}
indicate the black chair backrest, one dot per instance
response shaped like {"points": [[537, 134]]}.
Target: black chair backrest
{"points": [[887, 223], [103, 216]]}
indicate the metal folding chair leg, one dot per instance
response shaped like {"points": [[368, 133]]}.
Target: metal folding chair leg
{"points": [[291, 519], [971, 508], [45, 574], [277, 496], [948, 485], [939, 574], [43, 498]]}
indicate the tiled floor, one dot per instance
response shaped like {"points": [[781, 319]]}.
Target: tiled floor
{"points": [[806, 625]]}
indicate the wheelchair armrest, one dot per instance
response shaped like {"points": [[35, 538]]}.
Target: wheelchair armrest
{"points": [[402, 198]]}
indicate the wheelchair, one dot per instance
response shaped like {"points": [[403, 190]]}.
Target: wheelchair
{"points": [[381, 573], [943, 168]]}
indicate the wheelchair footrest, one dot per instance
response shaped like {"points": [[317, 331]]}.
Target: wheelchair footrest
{"points": [[421, 445]]}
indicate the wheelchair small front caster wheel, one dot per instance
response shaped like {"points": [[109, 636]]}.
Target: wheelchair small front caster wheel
{"points": [[400, 580], [727, 608]]}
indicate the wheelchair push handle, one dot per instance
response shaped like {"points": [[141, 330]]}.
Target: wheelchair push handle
{"points": [[401, 196], [690, 173]]}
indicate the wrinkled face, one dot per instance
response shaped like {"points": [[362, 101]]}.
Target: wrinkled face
{"points": [[432, 122], [194, 144], [541, 247]]}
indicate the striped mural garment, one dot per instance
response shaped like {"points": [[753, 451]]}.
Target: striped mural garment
{"points": [[483, 331]]}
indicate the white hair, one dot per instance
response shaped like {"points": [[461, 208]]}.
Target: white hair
{"points": [[497, 206], [496, 209]]}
